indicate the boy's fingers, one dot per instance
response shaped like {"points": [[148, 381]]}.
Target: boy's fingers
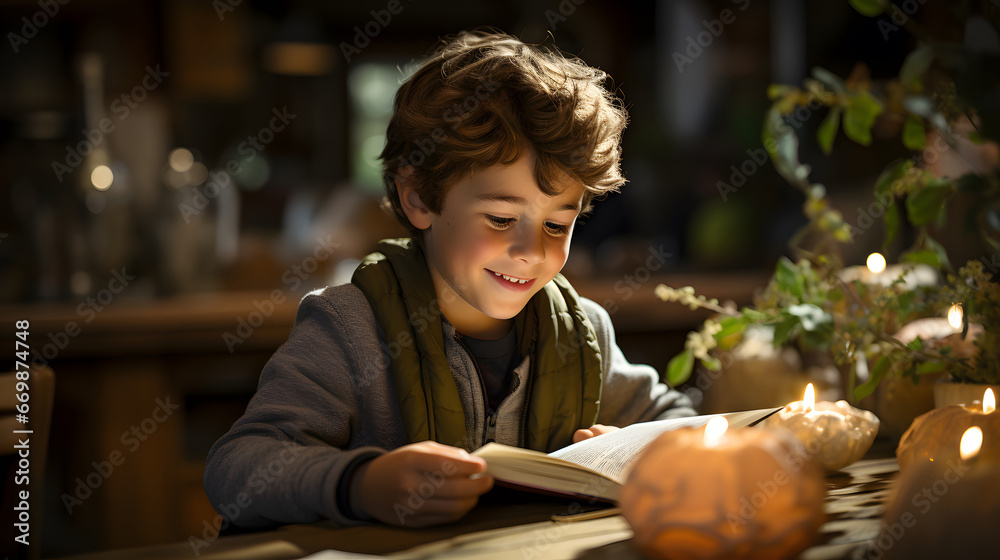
{"points": [[595, 430], [468, 466], [463, 487], [449, 461], [601, 429], [581, 435]]}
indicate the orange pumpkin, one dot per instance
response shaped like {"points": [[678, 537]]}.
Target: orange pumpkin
{"points": [[754, 494], [934, 436]]}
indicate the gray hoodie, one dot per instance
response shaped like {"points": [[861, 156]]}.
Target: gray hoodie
{"points": [[325, 401]]}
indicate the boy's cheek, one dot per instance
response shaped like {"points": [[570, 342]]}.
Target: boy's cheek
{"points": [[560, 254]]}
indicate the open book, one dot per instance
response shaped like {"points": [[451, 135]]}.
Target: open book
{"points": [[596, 467]]}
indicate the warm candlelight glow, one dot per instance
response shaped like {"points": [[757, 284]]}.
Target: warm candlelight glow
{"points": [[989, 401], [713, 493], [714, 430], [955, 313], [102, 177], [809, 399], [836, 433], [181, 160], [876, 263], [972, 440]]}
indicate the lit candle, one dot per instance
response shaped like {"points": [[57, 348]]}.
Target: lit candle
{"points": [[713, 493], [936, 334], [836, 434], [937, 509], [715, 429], [875, 263], [931, 436], [956, 316], [972, 442]]}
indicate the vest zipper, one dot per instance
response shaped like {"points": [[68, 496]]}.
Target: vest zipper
{"points": [[489, 433]]}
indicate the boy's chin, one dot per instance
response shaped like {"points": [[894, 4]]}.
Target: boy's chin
{"points": [[502, 315]]}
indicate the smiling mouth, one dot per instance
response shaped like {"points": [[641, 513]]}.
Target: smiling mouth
{"points": [[512, 279]]}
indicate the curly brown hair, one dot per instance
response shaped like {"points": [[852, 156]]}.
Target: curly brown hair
{"points": [[482, 99]]}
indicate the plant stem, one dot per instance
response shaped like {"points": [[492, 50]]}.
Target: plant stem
{"points": [[926, 355]]}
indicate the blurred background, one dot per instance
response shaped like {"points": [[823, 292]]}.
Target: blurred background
{"points": [[176, 174]]}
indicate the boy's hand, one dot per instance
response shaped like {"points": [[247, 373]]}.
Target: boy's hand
{"points": [[595, 430], [420, 484]]}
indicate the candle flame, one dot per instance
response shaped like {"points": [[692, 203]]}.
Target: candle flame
{"points": [[714, 430], [989, 401], [972, 440], [955, 313], [876, 263], [809, 399]]}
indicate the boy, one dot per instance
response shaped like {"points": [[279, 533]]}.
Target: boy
{"points": [[465, 333]]}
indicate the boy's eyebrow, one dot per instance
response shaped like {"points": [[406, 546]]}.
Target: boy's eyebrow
{"points": [[519, 200]]}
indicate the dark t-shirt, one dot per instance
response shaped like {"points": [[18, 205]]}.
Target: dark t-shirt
{"points": [[497, 360]]}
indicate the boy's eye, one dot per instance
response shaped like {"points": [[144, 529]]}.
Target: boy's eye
{"points": [[557, 229], [504, 223], [498, 222]]}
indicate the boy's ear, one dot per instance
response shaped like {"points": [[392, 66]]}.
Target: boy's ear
{"points": [[414, 208]]}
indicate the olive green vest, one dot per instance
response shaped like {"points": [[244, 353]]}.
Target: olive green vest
{"points": [[564, 390]]}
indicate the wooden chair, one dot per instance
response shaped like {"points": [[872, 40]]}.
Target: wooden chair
{"points": [[41, 390]]}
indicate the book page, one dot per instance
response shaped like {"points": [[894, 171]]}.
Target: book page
{"points": [[612, 454], [536, 470]]}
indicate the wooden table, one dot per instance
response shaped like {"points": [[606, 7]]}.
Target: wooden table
{"points": [[508, 524]]}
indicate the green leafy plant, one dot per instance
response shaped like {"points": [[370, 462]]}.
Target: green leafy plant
{"points": [[942, 88]]}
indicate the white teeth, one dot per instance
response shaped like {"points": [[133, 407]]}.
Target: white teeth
{"points": [[509, 279]]}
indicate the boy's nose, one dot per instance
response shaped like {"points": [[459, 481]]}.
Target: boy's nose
{"points": [[528, 246]]}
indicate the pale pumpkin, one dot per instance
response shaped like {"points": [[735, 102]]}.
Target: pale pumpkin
{"points": [[935, 436], [755, 494], [836, 434]]}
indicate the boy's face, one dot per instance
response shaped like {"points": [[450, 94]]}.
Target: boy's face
{"points": [[493, 223]]}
